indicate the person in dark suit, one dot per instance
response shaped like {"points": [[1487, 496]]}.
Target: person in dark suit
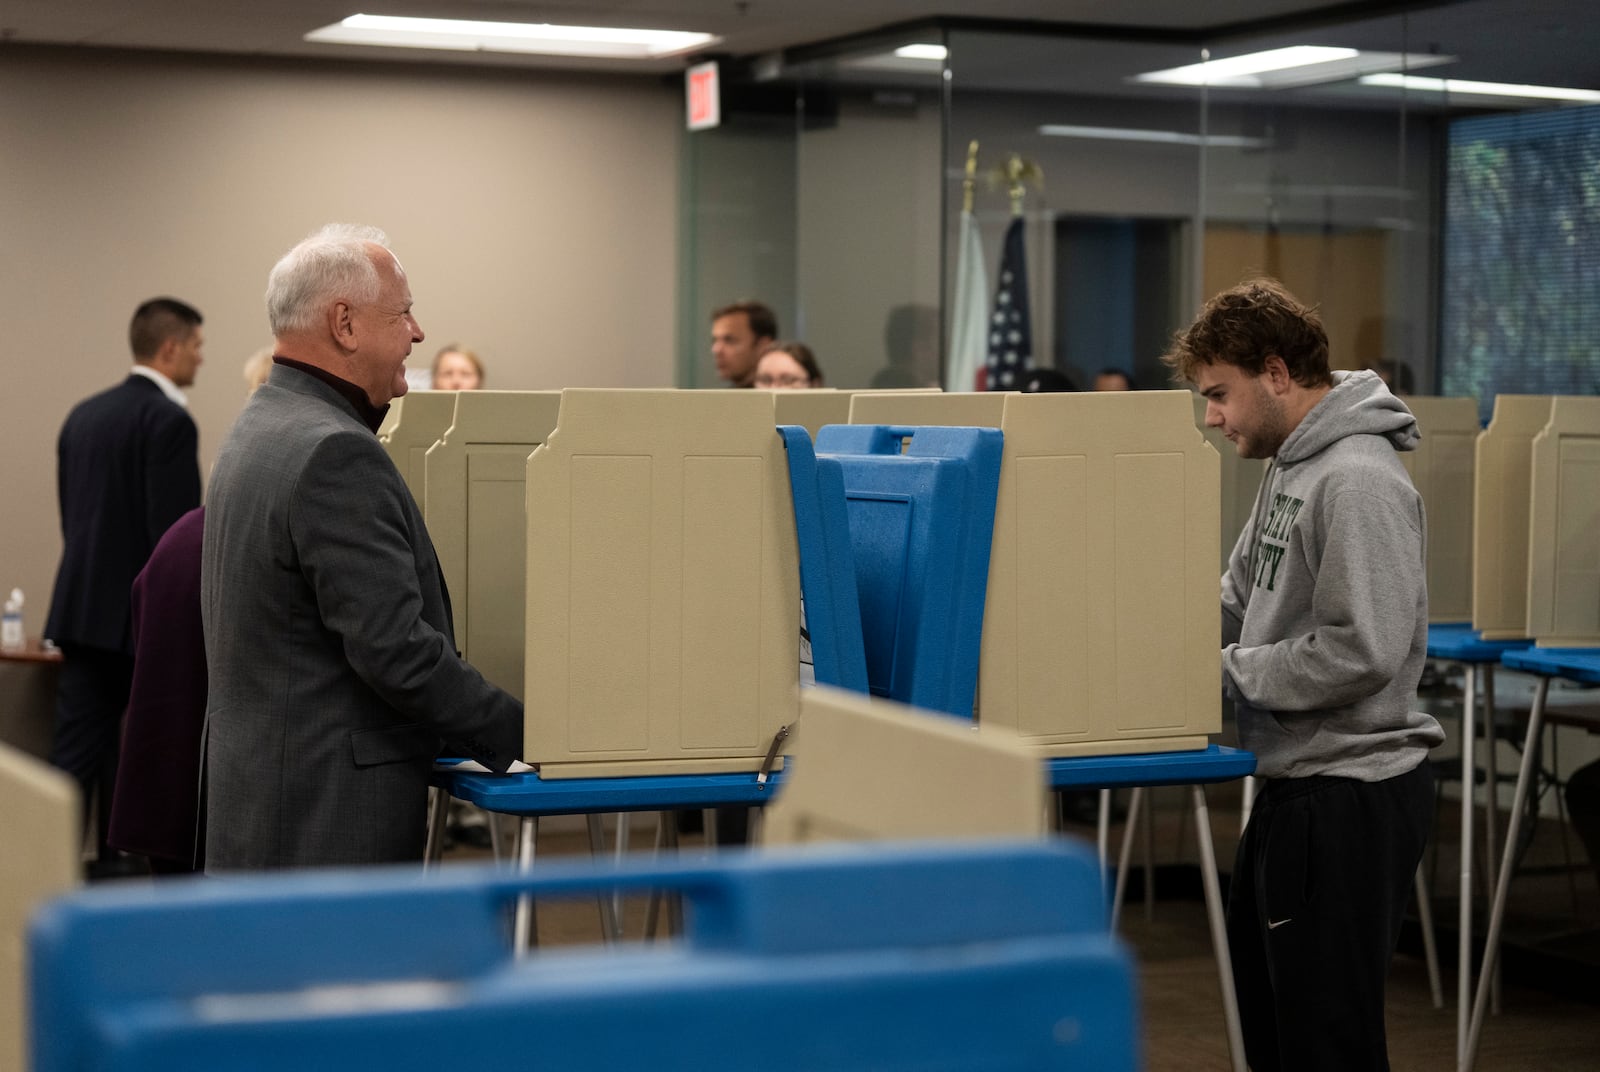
{"points": [[334, 675], [127, 468]]}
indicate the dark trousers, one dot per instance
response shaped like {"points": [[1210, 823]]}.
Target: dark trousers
{"points": [[91, 696], [1320, 887]]}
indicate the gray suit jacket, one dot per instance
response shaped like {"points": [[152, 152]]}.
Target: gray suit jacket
{"points": [[333, 667]]}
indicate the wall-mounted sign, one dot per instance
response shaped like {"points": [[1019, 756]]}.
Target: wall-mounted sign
{"points": [[705, 96]]}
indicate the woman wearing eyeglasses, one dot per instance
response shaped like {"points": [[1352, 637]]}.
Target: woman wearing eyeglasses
{"points": [[787, 366]]}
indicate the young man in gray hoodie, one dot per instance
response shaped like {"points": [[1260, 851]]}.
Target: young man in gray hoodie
{"points": [[1324, 633]]}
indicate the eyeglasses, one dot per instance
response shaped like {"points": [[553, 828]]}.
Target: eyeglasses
{"points": [[783, 381]]}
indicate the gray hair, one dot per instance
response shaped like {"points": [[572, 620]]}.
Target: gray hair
{"points": [[329, 265]]}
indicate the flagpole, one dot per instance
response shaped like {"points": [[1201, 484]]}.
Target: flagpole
{"points": [[969, 320], [1010, 328], [970, 183]]}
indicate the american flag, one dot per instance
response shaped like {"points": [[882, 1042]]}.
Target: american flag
{"points": [[1010, 328]]}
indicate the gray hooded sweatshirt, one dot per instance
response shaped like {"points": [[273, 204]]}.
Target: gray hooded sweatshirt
{"points": [[1325, 602]]}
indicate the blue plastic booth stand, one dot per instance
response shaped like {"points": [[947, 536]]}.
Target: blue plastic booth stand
{"points": [[921, 506], [902, 957]]}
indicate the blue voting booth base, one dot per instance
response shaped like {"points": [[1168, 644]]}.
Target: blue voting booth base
{"points": [[921, 505], [895, 957], [1211, 764], [1459, 642]]}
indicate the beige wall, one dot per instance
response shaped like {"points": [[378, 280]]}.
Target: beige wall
{"points": [[535, 215]]}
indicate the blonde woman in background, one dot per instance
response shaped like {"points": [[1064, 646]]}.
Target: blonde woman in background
{"points": [[256, 369], [457, 368]]}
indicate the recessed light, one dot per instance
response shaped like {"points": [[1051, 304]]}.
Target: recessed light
{"points": [[1457, 87], [1163, 137], [1286, 68], [392, 31], [1240, 70], [922, 52]]}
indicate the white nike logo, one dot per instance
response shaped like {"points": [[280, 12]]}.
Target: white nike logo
{"points": [[1274, 925]]}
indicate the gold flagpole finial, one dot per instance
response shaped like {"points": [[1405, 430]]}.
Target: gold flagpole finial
{"points": [[1017, 173], [969, 184]]}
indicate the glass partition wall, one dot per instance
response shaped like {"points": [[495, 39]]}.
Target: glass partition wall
{"points": [[835, 188]]}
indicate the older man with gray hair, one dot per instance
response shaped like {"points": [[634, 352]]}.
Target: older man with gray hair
{"points": [[334, 676]]}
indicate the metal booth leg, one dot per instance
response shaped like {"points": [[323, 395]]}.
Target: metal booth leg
{"points": [[1469, 718], [438, 808], [1219, 927], [610, 924], [1497, 910], [524, 932], [1491, 809], [1430, 948], [1135, 799]]}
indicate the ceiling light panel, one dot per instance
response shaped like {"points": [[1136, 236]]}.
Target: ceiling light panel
{"points": [[391, 31], [1458, 88], [1286, 68]]}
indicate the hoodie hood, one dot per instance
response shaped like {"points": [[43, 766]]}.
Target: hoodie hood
{"points": [[1358, 404]]}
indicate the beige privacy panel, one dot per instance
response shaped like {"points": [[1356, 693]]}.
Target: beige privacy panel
{"points": [[1241, 479], [477, 517], [1101, 630], [39, 843], [813, 409], [1502, 485], [1442, 469], [663, 591], [979, 409], [873, 769], [416, 421], [1564, 517]]}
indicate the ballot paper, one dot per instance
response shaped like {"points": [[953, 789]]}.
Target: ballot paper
{"points": [[472, 766]]}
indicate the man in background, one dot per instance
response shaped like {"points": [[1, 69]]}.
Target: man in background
{"points": [[739, 334], [331, 656], [127, 468], [1113, 379], [1324, 633]]}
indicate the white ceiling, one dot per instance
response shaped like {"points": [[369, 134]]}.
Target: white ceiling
{"points": [[1552, 41]]}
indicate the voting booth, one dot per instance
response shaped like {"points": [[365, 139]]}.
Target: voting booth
{"points": [[875, 770], [663, 596], [415, 422], [1100, 624], [40, 843], [920, 502], [1240, 480], [811, 409], [476, 514], [1563, 609], [1502, 487], [1443, 469]]}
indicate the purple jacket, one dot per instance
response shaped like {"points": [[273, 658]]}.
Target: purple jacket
{"points": [[155, 809]]}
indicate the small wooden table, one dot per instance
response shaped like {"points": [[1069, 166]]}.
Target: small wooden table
{"points": [[28, 696]]}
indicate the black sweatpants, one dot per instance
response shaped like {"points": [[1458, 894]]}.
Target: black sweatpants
{"points": [[1320, 886]]}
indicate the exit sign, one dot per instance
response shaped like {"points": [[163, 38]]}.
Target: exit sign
{"points": [[705, 98]]}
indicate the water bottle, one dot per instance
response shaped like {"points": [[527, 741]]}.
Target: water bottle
{"points": [[11, 636]]}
